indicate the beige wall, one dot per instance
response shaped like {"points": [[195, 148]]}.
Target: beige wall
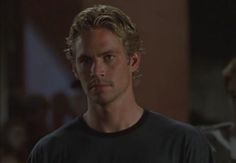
{"points": [[163, 25]]}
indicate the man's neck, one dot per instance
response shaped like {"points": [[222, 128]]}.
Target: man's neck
{"points": [[114, 117]]}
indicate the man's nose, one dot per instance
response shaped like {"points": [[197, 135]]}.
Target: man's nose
{"points": [[98, 68]]}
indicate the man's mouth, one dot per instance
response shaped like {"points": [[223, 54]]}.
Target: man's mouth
{"points": [[99, 85]]}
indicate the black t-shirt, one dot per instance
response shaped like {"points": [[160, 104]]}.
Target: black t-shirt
{"points": [[153, 139]]}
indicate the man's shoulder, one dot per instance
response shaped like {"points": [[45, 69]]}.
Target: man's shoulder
{"points": [[173, 128], [184, 140], [52, 146], [164, 122], [60, 136], [181, 138]]}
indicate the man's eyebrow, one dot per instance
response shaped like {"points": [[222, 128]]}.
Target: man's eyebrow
{"points": [[85, 55], [106, 52]]}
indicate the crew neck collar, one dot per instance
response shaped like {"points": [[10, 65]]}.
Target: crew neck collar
{"points": [[117, 133]]}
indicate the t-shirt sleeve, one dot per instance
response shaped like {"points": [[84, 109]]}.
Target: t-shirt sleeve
{"points": [[36, 156], [47, 150], [197, 149]]}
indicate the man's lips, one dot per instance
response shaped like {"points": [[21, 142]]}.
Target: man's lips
{"points": [[99, 86]]}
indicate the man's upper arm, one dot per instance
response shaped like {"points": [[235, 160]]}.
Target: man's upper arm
{"points": [[198, 149], [36, 156]]}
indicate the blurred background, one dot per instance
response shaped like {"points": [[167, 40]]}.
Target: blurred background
{"points": [[187, 44]]}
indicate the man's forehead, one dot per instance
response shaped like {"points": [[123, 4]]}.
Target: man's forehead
{"points": [[96, 41]]}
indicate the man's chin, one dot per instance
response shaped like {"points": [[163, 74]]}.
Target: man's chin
{"points": [[101, 100]]}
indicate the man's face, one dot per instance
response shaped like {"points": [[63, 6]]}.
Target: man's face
{"points": [[103, 67]]}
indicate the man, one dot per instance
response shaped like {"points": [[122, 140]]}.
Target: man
{"points": [[229, 74], [104, 49], [223, 135]]}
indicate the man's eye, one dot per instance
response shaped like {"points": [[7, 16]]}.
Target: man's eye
{"points": [[109, 58]]}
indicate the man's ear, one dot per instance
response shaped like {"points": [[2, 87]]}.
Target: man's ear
{"points": [[135, 60], [74, 71]]}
